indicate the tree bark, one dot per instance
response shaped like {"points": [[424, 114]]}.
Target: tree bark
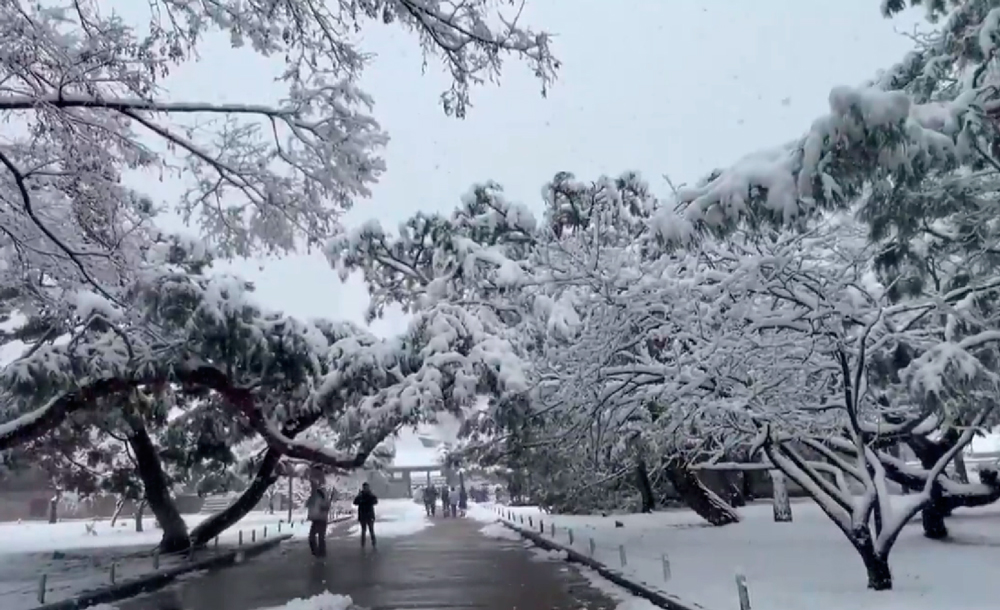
{"points": [[942, 504], [779, 497], [735, 482], [876, 565], [645, 487], [54, 507], [119, 505], [266, 476], [699, 498], [961, 472], [932, 517], [161, 502], [140, 509]]}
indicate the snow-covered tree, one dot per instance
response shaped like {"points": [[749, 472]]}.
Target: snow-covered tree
{"points": [[195, 340], [557, 288], [85, 88], [788, 343]]}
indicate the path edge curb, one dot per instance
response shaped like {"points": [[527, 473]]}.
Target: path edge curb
{"points": [[158, 580], [663, 600]]}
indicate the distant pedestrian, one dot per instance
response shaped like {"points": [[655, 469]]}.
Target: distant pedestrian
{"points": [[430, 500], [445, 499], [366, 501], [318, 507], [463, 500], [453, 502]]}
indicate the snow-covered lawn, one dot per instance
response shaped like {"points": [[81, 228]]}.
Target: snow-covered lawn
{"points": [[84, 561], [803, 565], [396, 518], [27, 550]]}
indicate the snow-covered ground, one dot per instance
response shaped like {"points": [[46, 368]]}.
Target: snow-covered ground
{"points": [[396, 518], [803, 565], [84, 561], [27, 550], [323, 601]]}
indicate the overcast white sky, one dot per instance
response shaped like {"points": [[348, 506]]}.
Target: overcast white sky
{"points": [[660, 86]]}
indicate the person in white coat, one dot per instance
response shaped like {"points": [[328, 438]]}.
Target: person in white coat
{"points": [[318, 507]]}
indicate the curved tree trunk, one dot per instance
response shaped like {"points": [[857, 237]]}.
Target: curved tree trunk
{"points": [[932, 517], [119, 505], [161, 501], [697, 496], [266, 476]]}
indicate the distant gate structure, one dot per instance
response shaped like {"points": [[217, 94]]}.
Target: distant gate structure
{"points": [[400, 481]]}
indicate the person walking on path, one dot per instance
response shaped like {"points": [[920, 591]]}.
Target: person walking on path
{"points": [[463, 500], [453, 502], [430, 500], [318, 507], [445, 499], [366, 501]]}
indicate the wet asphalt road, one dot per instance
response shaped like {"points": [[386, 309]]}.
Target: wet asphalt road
{"points": [[448, 566]]}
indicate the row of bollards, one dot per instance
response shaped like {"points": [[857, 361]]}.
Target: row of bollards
{"points": [[741, 581], [113, 574]]}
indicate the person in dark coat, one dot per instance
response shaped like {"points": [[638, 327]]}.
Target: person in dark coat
{"points": [[366, 501], [463, 500], [445, 499], [430, 500]]}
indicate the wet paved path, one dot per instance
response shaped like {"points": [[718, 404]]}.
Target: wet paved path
{"points": [[449, 566]]}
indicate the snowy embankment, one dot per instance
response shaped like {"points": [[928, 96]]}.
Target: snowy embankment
{"points": [[803, 565], [73, 560]]}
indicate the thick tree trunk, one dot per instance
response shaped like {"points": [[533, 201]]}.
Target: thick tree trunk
{"points": [[161, 502], [119, 505], [735, 482], [779, 497], [697, 496], [645, 487], [266, 476], [54, 507], [140, 510], [961, 472], [929, 452], [932, 517], [876, 565]]}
